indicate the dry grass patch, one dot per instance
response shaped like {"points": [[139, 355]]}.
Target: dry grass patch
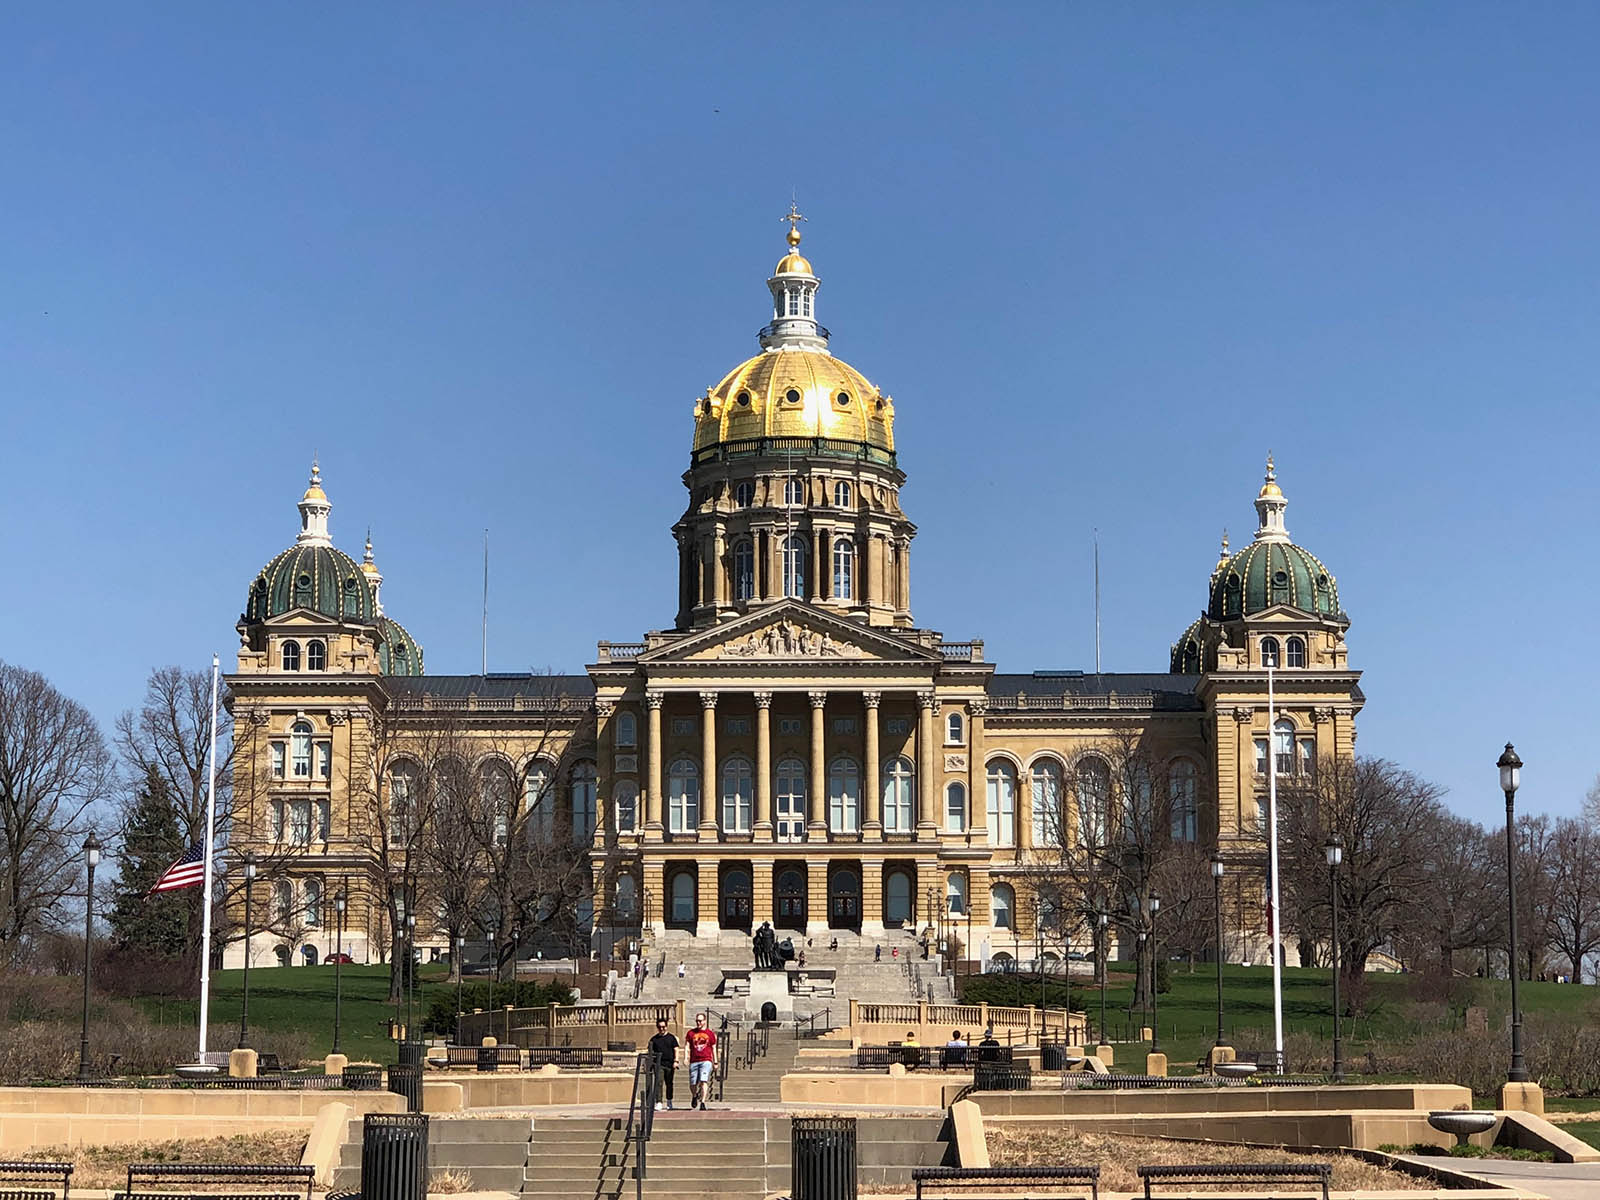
{"points": [[107, 1166], [1118, 1154]]}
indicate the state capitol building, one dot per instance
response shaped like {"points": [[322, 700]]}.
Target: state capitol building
{"points": [[793, 747]]}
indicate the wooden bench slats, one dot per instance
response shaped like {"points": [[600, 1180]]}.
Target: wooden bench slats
{"points": [[1316, 1174], [941, 1179]]}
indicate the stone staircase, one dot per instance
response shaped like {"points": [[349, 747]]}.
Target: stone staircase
{"points": [[492, 1153], [757, 1086]]}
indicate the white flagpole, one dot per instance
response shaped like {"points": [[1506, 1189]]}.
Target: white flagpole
{"points": [[1272, 854], [205, 903]]}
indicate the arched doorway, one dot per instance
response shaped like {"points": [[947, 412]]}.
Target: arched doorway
{"points": [[844, 899], [896, 898], [308, 953], [791, 899], [682, 902], [735, 909], [282, 954]]}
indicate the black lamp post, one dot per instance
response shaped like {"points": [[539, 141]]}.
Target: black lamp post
{"points": [[1144, 1004], [1155, 992], [91, 858], [410, 978], [1510, 777], [461, 972], [244, 999], [1038, 958], [1217, 871], [340, 903], [1101, 920], [494, 969], [1334, 850]]}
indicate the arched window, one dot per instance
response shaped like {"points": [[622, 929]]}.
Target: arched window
{"points": [[744, 495], [625, 800], [316, 656], [844, 569], [899, 796], [955, 893], [495, 795], [1283, 745], [955, 807], [896, 898], [744, 569], [626, 905], [789, 818], [291, 656], [844, 796], [308, 955], [1002, 906], [841, 494], [283, 899], [312, 906], [953, 729], [300, 750], [794, 566], [683, 796], [1181, 788], [1001, 786], [1094, 796], [1048, 828], [627, 731], [281, 953], [585, 786], [537, 802], [1269, 652], [683, 897], [1296, 652], [405, 784], [738, 785], [794, 492]]}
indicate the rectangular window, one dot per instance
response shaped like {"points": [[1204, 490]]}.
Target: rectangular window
{"points": [[790, 725], [324, 759], [277, 820], [1261, 756], [844, 724], [323, 821], [736, 725], [300, 822], [897, 725], [1263, 819], [1308, 757], [277, 760], [682, 725]]}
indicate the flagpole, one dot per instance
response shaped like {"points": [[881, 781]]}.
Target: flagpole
{"points": [[205, 899], [1272, 854]]}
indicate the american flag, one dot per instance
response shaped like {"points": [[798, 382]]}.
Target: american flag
{"points": [[188, 871]]}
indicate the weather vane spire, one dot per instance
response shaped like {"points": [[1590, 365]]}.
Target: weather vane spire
{"points": [[794, 218]]}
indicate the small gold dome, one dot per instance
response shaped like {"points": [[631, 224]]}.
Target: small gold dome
{"points": [[793, 263], [794, 393], [314, 492], [1271, 489]]}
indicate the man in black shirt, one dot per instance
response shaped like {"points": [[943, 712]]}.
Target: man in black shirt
{"points": [[664, 1046]]}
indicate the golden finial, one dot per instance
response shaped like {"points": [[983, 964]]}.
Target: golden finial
{"points": [[794, 218], [1224, 552], [367, 558], [316, 471], [1272, 476]]}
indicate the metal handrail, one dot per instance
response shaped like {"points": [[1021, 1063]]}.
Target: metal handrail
{"points": [[642, 1115]]}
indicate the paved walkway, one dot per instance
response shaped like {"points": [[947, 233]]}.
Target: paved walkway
{"points": [[1559, 1181]]}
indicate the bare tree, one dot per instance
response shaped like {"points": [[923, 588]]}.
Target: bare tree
{"points": [[1188, 901], [169, 737], [1458, 906], [53, 769], [1575, 892]]}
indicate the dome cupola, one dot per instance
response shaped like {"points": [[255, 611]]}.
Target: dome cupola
{"points": [[312, 574], [1271, 570]]}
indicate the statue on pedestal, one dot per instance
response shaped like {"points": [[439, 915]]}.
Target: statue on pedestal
{"points": [[764, 943]]}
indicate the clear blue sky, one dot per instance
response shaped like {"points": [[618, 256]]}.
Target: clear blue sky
{"points": [[482, 257]]}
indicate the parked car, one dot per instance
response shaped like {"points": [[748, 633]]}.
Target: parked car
{"points": [[338, 958]]}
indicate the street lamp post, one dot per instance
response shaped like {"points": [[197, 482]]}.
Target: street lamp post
{"points": [[1510, 777], [244, 999], [1038, 958], [1334, 850], [494, 969], [1144, 1003], [410, 978], [91, 858], [1217, 870], [1155, 994], [340, 903], [1101, 920], [461, 972]]}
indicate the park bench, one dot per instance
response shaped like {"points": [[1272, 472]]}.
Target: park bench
{"points": [[185, 1181], [882, 1057], [1148, 1082], [566, 1056], [35, 1180], [267, 1064], [1311, 1174], [1028, 1180], [1268, 1060], [1002, 1077], [484, 1058]]}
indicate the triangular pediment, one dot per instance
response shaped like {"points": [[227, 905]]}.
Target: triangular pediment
{"points": [[791, 632]]}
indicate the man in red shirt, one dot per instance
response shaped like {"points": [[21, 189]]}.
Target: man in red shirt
{"points": [[702, 1057]]}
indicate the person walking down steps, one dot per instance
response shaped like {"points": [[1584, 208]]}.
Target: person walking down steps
{"points": [[702, 1057], [664, 1046], [683, 971]]}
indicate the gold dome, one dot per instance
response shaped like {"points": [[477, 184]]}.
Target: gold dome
{"points": [[793, 263], [1271, 489], [832, 400]]}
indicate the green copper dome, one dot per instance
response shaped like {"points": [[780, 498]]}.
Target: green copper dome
{"points": [[1268, 573], [1186, 651], [398, 652], [315, 577]]}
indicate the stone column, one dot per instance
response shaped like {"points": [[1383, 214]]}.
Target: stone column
{"points": [[762, 830], [763, 905], [977, 780], [817, 907], [709, 789], [654, 769], [655, 911], [819, 585], [871, 788], [718, 549], [817, 826], [927, 774], [706, 909], [904, 582], [605, 822], [872, 898], [763, 553]]}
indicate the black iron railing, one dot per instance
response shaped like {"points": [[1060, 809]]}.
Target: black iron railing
{"points": [[642, 1116], [803, 447]]}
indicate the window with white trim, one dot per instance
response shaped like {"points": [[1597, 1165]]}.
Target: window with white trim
{"points": [[1269, 652], [844, 796], [1001, 784], [291, 656], [738, 785], [794, 566], [841, 494], [316, 656], [1182, 787], [627, 733], [683, 796], [844, 569], [625, 800], [744, 569], [1295, 652], [899, 796], [1094, 800], [1046, 815], [955, 806], [538, 801], [1002, 906], [953, 729], [585, 789], [300, 750]]}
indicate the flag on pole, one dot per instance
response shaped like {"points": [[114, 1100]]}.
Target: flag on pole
{"points": [[189, 871]]}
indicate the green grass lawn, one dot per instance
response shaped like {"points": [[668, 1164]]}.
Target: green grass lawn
{"points": [[1588, 1131], [300, 1000]]}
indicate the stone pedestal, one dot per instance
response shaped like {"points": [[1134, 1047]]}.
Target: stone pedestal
{"points": [[242, 1065], [1155, 1064], [1105, 1054], [335, 1064], [1522, 1097], [1146, 1033], [770, 987], [1219, 1054]]}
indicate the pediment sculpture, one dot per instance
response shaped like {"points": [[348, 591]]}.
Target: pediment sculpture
{"points": [[785, 639]]}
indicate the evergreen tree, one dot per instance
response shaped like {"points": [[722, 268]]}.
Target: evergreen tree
{"points": [[151, 842]]}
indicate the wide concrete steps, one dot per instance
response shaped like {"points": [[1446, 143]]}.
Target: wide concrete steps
{"points": [[491, 1153]]}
